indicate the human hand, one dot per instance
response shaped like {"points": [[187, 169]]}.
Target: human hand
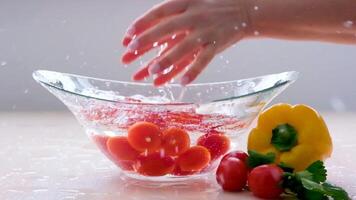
{"points": [[194, 31]]}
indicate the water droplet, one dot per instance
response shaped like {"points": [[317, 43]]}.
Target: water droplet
{"points": [[255, 7], [148, 139], [227, 61], [199, 40], [155, 44], [221, 57], [348, 24], [67, 57], [214, 42], [3, 63], [172, 80], [174, 36], [63, 21], [134, 37], [107, 83], [243, 24], [256, 33], [81, 53], [26, 91], [236, 28], [136, 52]]}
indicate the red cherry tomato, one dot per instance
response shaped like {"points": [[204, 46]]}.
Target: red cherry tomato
{"points": [[232, 174], [194, 159], [264, 181], [179, 172], [217, 144], [127, 165], [236, 154], [144, 136], [120, 149], [100, 141], [175, 141], [154, 164]]}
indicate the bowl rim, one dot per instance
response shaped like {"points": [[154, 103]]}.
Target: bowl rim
{"points": [[293, 76]]}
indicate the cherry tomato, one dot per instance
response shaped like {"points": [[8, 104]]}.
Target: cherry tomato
{"points": [[179, 172], [175, 141], [100, 141], [236, 154], [232, 174], [154, 164], [194, 159], [120, 149], [264, 181], [127, 165], [217, 144], [144, 136]]}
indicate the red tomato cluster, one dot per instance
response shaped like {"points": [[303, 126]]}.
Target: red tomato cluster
{"points": [[263, 181], [152, 152]]}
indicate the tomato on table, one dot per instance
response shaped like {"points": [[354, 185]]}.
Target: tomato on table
{"points": [[144, 136], [120, 148], [232, 174], [236, 154], [217, 144], [175, 141], [154, 164], [194, 159], [265, 181]]}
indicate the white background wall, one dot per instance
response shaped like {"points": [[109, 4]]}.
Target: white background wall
{"points": [[84, 37]]}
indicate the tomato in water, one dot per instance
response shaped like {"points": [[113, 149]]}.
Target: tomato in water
{"points": [[154, 164], [217, 144], [120, 148], [175, 141], [194, 159], [144, 136]]}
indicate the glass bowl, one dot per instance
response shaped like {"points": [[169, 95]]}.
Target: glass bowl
{"points": [[165, 134]]}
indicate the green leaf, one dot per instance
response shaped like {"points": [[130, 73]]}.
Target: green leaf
{"points": [[325, 189], [318, 170], [256, 159], [335, 192], [304, 174], [284, 137]]}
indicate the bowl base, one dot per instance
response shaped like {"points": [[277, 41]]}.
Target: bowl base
{"points": [[148, 181]]}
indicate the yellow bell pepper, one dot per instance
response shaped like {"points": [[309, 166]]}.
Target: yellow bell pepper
{"points": [[297, 135]]}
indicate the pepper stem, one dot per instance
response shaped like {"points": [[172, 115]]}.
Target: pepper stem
{"points": [[284, 137]]}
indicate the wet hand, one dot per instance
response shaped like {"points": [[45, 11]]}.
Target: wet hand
{"points": [[192, 31]]}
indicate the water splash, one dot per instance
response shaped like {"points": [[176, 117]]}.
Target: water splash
{"points": [[26, 91], [3, 63], [348, 24], [255, 7]]}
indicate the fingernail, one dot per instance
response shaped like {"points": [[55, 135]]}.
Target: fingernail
{"points": [[128, 57], [130, 32], [154, 68], [185, 80], [126, 41], [133, 45]]}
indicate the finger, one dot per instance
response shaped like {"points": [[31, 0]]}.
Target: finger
{"points": [[130, 56], [178, 68], [200, 63], [143, 72], [153, 16], [161, 30], [186, 47]]}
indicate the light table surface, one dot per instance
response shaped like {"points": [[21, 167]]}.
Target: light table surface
{"points": [[47, 156]]}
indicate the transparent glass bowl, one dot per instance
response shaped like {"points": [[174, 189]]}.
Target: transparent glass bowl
{"points": [[213, 115]]}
